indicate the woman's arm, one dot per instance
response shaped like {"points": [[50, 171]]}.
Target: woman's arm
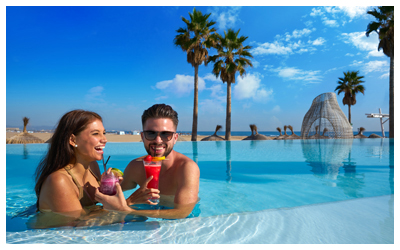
{"points": [[117, 202]]}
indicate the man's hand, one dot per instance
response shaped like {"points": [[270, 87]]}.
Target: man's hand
{"points": [[143, 194]]}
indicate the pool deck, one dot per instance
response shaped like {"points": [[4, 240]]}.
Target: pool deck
{"points": [[356, 221]]}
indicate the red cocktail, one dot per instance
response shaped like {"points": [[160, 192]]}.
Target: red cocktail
{"points": [[152, 166]]}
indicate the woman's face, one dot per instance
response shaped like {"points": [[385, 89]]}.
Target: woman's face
{"points": [[91, 142]]}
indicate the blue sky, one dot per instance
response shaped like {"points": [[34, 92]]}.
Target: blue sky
{"points": [[118, 61]]}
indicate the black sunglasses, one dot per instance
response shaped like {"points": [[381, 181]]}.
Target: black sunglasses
{"points": [[164, 135]]}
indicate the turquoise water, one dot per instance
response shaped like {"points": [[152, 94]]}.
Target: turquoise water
{"points": [[239, 179]]}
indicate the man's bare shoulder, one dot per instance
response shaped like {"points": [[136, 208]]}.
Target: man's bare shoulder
{"points": [[134, 167], [186, 163]]}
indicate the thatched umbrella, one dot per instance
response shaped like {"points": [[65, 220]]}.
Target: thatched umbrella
{"points": [[293, 136], [323, 136], [360, 133], [374, 136], [279, 130], [255, 135], [282, 137], [24, 137], [316, 135], [214, 137]]}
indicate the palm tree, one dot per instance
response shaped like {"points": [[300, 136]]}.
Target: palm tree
{"points": [[350, 85], [384, 26], [231, 58], [194, 40]]}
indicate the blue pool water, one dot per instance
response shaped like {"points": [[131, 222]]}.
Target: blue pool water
{"points": [[286, 191]]}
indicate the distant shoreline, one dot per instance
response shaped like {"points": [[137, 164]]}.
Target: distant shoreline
{"points": [[136, 138], [121, 138]]}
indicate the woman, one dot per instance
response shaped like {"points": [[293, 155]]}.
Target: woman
{"points": [[68, 176]]}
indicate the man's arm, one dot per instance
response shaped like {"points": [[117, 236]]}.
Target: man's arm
{"points": [[185, 197], [130, 175]]}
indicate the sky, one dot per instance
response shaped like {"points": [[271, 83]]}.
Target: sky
{"points": [[120, 60]]}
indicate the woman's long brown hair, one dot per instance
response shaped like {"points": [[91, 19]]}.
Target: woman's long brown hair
{"points": [[60, 152]]}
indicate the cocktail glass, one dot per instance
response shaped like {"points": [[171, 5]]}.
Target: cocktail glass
{"points": [[152, 168], [107, 184]]}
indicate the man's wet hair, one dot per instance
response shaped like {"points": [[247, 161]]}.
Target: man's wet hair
{"points": [[160, 111]]}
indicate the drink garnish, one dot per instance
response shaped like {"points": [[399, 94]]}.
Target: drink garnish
{"points": [[148, 158], [117, 172], [155, 158]]}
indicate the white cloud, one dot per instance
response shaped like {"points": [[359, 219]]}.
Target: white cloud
{"points": [[211, 106], [275, 48], [161, 98], [376, 66], [316, 12], [255, 63], [284, 45], [181, 84], [331, 16], [295, 74], [225, 17], [95, 95], [212, 77], [364, 43], [354, 11], [298, 33], [217, 92], [330, 23], [276, 109], [250, 87], [372, 66], [386, 75], [319, 41]]}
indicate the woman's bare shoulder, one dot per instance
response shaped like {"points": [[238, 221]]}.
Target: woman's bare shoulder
{"points": [[59, 178]]}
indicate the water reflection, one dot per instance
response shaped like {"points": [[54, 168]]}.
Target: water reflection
{"points": [[195, 152], [350, 182], [391, 152], [326, 157], [228, 150], [25, 153]]}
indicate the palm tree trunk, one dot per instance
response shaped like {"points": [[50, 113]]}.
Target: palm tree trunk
{"points": [[391, 98], [349, 114], [195, 103], [228, 112]]}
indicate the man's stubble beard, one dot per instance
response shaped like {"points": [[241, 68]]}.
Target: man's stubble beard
{"points": [[168, 149]]}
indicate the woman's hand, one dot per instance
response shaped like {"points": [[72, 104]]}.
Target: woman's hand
{"points": [[115, 202], [120, 178], [143, 194]]}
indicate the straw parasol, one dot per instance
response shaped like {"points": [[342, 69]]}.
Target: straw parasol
{"points": [[279, 130], [360, 133], [24, 137], [214, 137], [293, 136], [282, 137], [374, 136], [255, 135]]}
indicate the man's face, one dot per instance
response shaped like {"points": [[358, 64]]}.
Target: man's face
{"points": [[160, 145]]}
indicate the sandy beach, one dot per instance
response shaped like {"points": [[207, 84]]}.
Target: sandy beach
{"points": [[121, 138]]}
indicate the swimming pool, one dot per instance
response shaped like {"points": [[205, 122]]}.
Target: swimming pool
{"points": [[286, 191]]}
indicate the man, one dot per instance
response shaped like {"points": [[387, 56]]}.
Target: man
{"points": [[179, 175]]}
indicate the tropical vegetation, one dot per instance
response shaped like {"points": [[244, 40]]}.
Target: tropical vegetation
{"points": [[232, 57], [384, 26], [350, 85], [194, 39]]}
